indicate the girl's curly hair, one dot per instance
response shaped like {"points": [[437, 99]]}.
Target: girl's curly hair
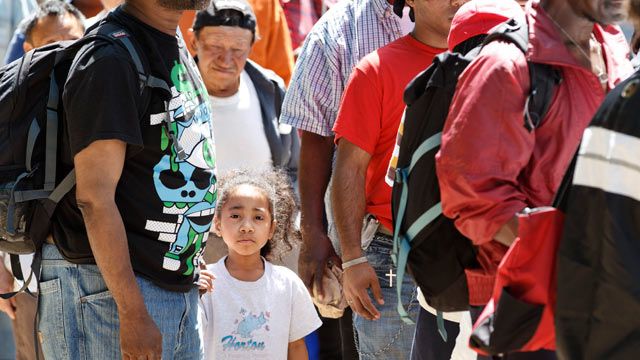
{"points": [[276, 186]]}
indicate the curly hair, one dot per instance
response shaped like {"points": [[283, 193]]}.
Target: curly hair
{"points": [[275, 185]]}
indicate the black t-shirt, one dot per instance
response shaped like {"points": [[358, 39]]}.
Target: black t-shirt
{"points": [[166, 203]]}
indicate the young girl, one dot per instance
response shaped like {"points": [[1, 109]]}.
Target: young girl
{"points": [[258, 310]]}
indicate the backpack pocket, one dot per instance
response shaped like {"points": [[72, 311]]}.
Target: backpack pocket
{"points": [[509, 328], [15, 211]]}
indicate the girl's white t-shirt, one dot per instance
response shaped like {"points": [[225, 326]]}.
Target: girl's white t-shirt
{"points": [[255, 320]]}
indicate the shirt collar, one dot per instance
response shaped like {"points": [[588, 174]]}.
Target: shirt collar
{"points": [[381, 7]]}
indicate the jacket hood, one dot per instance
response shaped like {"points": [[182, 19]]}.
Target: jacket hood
{"points": [[478, 17]]}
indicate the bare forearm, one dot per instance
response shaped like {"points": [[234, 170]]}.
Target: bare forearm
{"points": [[348, 201], [108, 241], [316, 155]]}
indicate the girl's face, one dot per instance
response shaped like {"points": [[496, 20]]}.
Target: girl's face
{"points": [[245, 222]]}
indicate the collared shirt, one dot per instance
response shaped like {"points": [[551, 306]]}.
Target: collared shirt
{"points": [[301, 16], [346, 33]]}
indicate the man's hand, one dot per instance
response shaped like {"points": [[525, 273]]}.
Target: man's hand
{"points": [[140, 337], [315, 253], [356, 280], [6, 285]]}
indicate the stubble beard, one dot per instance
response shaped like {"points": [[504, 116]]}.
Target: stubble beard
{"points": [[183, 4]]}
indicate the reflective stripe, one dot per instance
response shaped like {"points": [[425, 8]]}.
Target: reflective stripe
{"points": [[608, 160]]}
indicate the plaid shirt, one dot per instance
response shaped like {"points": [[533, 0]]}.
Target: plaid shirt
{"points": [[346, 33], [301, 15]]}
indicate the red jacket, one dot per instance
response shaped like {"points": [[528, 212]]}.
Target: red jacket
{"points": [[490, 166]]}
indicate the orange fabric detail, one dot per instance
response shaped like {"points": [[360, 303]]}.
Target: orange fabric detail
{"points": [[273, 49]]}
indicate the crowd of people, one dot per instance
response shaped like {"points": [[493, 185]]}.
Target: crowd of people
{"points": [[234, 165]]}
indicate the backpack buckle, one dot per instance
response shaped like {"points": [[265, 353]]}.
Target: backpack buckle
{"points": [[511, 25], [399, 175]]}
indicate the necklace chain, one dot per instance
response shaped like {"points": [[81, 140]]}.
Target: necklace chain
{"points": [[602, 75]]}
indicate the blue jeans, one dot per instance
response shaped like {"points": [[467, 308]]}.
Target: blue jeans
{"points": [[7, 346], [388, 337], [79, 318]]}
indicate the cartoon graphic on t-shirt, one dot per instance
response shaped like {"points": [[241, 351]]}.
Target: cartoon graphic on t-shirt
{"points": [[247, 325], [184, 177]]}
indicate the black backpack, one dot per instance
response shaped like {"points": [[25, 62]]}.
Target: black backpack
{"points": [[426, 243], [30, 94]]}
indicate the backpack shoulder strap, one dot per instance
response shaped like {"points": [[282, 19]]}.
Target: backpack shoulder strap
{"points": [[514, 31], [544, 78], [111, 33], [114, 33]]}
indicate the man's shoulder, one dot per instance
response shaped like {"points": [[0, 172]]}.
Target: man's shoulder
{"points": [[501, 55], [339, 15], [331, 27]]}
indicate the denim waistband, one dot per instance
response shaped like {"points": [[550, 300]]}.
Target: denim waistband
{"points": [[383, 239], [51, 252]]}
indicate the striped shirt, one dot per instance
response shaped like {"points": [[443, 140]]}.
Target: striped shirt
{"points": [[350, 30]]}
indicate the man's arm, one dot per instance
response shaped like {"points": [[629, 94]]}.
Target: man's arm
{"points": [[348, 201], [485, 148], [316, 154], [98, 170]]}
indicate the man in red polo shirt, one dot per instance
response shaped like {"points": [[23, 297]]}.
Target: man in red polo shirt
{"points": [[366, 129]]}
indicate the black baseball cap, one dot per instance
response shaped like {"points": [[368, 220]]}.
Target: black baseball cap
{"points": [[211, 15]]}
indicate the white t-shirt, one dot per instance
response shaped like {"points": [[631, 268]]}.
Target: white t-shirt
{"points": [[238, 130], [255, 320]]}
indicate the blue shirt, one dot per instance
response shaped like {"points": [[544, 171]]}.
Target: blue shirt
{"points": [[11, 13]]}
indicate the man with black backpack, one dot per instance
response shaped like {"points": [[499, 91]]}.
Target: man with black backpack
{"points": [[495, 160], [437, 254], [366, 127], [136, 128]]}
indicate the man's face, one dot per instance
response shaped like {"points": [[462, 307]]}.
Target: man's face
{"points": [[183, 4], [522, 3], [602, 11], [54, 28], [435, 14], [222, 53]]}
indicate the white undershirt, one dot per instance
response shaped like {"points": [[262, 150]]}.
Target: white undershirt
{"points": [[238, 130]]}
